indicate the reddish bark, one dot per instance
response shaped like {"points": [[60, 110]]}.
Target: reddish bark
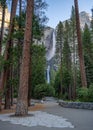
{"points": [[22, 103], [80, 50]]}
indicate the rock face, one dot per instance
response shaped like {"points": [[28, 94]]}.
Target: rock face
{"points": [[49, 35], [85, 18]]}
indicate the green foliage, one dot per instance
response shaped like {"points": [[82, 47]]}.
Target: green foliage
{"points": [[66, 78], [90, 93], [63, 56], [38, 66], [3, 3], [65, 96], [88, 54], [83, 94], [14, 82], [57, 83], [59, 43], [42, 90]]}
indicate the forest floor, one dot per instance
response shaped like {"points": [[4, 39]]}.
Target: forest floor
{"points": [[36, 107]]}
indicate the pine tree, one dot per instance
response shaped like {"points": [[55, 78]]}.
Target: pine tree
{"points": [[91, 26], [39, 19], [73, 49], [22, 103], [88, 54], [66, 62], [92, 20], [80, 50], [4, 73], [39, 63], [59, 46]]}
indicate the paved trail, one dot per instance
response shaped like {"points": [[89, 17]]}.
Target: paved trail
{"points": [[81, 119]]}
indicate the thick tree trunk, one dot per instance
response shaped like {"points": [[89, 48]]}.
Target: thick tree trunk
{"points": [[80, 50], [6, 56], [8, 93], [2, 27], [22, 103], [19, 44]]}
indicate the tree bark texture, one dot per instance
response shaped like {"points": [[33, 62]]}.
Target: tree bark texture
{"points": [[22, 103]]}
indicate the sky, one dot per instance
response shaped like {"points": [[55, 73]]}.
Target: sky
{"points": [[60, 10]]}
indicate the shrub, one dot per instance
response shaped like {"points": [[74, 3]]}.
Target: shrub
{"points": [[90, 93], [43, 90], [82, 94]]}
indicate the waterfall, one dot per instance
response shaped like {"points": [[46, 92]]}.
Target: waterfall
{"points": [[50, 55], [48, 74], [51, 51], [54, 44]]}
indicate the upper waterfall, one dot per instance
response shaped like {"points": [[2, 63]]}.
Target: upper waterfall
{"points": [[49, 42], [51, 51]]}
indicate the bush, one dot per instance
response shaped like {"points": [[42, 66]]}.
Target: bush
{"points": [[82, 94], [43, 90], [90, 93]]}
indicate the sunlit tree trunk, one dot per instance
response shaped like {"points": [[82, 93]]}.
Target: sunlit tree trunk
{"points": [[80, 50], [22, 103], [6, 56]]}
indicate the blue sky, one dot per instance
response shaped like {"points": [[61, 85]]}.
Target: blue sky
{"points": [[60, 10]]}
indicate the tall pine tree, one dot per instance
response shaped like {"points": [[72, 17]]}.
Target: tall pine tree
{"points": [[66, 62], [59, 46], [88, 54]]}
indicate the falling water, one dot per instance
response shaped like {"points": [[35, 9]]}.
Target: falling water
{"points": [[48, 74], [51, 51], [50, 55]]}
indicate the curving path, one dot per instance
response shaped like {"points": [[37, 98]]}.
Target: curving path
{"points": [[81, 119]]}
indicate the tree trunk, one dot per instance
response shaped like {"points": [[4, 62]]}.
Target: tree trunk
{"points": [[6, 56], [29, 85], [8, 92], [22, 103], [69, 91], [11, 86], [61, 89], [80, 50], [74, 67], [19, 44], [2, 26]]}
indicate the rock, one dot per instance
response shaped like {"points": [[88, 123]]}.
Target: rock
{"points": [[78, 105]]}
